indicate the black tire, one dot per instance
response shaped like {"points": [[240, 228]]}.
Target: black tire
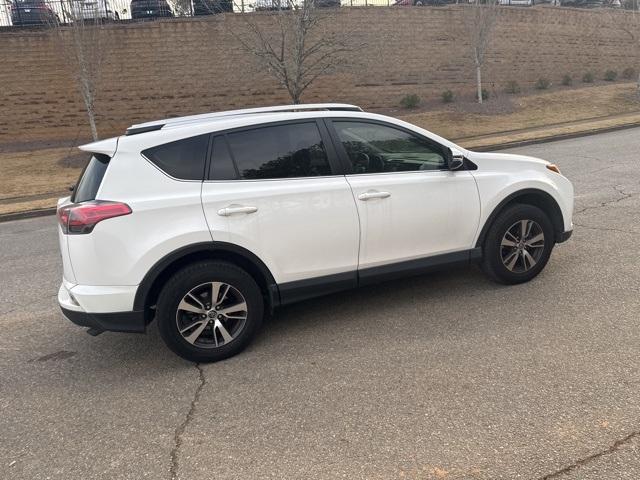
{"points": [[185, 281], [493, 252]]}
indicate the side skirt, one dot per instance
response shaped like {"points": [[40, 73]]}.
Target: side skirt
{"points": [[292, 292]]}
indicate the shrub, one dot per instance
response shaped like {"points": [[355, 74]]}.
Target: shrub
{"points": [[567, 80], [485, 94], [543, 83], [447, 96], [410, 101], [512, 87], [587, 77], [629, 73], [610, 75]]}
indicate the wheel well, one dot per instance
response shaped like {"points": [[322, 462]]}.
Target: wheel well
{"points": [[149, 289], [537, 198]]}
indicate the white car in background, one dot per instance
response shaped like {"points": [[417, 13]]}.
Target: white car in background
{"points": [[208, 222], [93, 10]]}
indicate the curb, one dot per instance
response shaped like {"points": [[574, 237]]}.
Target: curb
{"points": [[7, 217], [551, 138]]}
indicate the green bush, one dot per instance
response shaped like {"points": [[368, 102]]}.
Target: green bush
{"points": [[629, 73], [567, 80], [485, 94], [512, 87], [610, 75], [410, 101], [587, 77], [543, 83], [447, 96]]}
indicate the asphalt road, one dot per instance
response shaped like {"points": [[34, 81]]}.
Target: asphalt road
{"points": [[441, 376]]}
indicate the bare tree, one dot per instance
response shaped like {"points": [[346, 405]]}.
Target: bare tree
{"points": [[480, 19], [630, 25], [293, 43], [82, 45]]}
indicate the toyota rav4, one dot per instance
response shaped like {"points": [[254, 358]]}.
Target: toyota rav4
{"points": [[207, 223]]}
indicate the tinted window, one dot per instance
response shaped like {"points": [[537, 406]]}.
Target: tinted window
{"points": [[91, 178], [183, 159], [222, 167], [374, 148], [283, 151]]}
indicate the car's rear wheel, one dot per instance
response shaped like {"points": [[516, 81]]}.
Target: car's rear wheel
{"points": [[209, 311], [518, 244]]}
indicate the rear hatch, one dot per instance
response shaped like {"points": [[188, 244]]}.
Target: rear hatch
{"points": [[85, 190]]}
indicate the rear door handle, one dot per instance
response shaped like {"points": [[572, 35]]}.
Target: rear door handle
{"points": [[231, 209], [373, 194]]}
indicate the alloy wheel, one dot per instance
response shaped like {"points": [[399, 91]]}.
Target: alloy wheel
{"points": [[522, 246], [211, 315]]}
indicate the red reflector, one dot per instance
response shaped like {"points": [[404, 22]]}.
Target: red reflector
{"points": [[81, 218]]}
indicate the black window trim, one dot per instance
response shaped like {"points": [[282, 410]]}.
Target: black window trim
{"points": [[206, 160], [72, 198], [344, 157], [335, 164]]}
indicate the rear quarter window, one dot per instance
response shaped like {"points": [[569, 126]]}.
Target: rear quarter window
{"points": [[91, 178], [183, 159]]}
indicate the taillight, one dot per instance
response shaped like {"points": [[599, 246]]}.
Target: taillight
{"points": [[82, 217]]}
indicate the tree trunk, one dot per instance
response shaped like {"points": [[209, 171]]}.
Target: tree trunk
{"points": [[92, 123], [638, 86], [479, 83]]}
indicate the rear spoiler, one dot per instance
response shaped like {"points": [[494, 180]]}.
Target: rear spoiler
{"points": [[106, 147]]}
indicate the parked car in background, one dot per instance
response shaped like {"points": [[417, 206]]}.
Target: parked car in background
{"points": [[523, 3], [207, 223], [93, 10], [273, 5], [32, 12], [211, 7], [150, 9], [583, 3], [422, 3]]}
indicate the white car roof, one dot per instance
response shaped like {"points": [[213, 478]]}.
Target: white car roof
{"points": [[205, 117], [150, 134]]}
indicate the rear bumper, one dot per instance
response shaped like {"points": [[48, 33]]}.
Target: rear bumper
{"points": [[101, 307], [564, 236], [132, 322]]}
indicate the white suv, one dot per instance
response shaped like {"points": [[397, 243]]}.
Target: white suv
{"points": [[207, 223]]}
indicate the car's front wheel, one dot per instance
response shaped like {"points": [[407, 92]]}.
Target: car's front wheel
{"points": [[209, 311], [518, 244]]}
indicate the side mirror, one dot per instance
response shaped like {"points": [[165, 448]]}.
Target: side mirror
{"points": [[455, 159]]}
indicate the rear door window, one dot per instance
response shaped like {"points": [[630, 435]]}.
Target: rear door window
{"points": [[281, 151], [91, 178], [183, 159]]}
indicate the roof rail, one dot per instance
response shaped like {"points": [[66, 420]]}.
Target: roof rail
{"points": [[158, 124]]}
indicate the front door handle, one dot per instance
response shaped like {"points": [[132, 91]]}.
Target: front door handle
{"points": [[231, 209], [373, 194]]}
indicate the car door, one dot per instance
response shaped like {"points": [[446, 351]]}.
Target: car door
{"points": [[276, 191], [411, 207]]}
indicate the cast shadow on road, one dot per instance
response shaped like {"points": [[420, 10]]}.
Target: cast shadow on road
{"points": [[423, 305]]}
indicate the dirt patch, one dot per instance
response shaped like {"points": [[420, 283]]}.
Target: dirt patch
{"points": [[494, 106], [528, 111]]}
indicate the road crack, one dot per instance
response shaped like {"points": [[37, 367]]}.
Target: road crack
{"points": [[617, 188], [606, 229], [177, 436], [591, 458]]}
